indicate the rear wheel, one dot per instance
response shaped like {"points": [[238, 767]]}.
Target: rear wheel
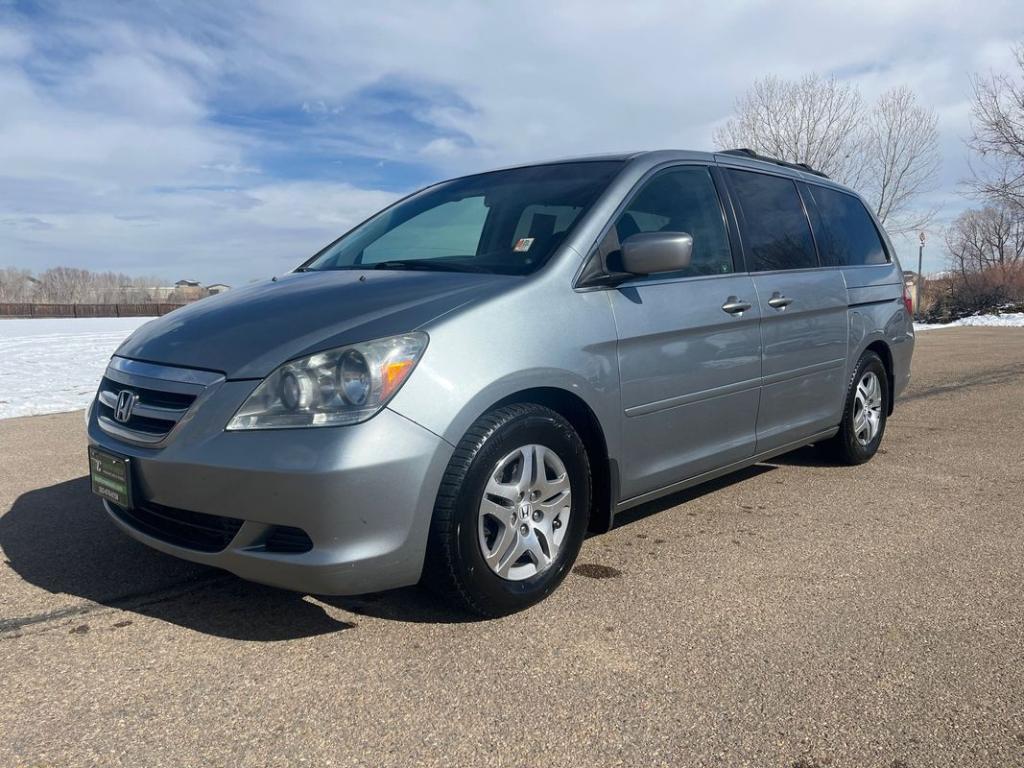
{"points": [[511, 513], [864, 416]]}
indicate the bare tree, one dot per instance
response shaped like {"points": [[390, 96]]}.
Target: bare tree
{"points": [[16, 285], [901, 159], [888, 153], [986, 255], [998, 134], [66, 285], [989, 238], [812, 120]]}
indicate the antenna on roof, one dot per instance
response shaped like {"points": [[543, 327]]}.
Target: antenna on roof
{"points": [[744, 152]]}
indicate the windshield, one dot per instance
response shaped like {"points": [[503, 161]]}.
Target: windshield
{"points": [[507, 222]]}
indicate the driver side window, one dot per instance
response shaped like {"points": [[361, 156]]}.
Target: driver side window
{"points": [[680, 199]]}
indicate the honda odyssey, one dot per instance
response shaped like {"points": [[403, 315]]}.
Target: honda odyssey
{"points": [[461, 387]]}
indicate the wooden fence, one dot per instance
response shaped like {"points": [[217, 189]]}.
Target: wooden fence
{"points": [[86, 310]]}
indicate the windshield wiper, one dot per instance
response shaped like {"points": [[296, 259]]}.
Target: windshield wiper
{"points": [[427, 264]]}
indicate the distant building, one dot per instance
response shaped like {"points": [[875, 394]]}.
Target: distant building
{"points": [[160, 292], [911, 280], [184, 291]]}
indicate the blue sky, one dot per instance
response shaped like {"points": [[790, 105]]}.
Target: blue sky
{"points": [[227, 141]]}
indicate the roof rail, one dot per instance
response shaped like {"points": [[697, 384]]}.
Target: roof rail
{"points": [[744, 152]]}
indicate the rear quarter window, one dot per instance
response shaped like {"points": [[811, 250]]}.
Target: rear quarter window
{"points": [[847, 236]]}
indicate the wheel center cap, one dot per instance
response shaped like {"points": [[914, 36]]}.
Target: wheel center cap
{"points": [[524, 511]]}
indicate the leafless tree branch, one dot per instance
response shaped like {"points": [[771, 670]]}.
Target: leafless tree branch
{"points": [[997, 134], [66, 285], [812, 120], [987, 238], [901, 159], [889, 152]]}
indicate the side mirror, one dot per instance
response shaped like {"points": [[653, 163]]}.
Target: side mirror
{"points": [[647, 253]]}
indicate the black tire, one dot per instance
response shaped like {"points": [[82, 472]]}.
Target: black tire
{"points": [[845, 448], [455, 567]]}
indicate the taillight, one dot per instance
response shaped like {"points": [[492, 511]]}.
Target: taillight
{"points": [[908, 300]]}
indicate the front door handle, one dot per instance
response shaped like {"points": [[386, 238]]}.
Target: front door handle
{"points": [[735, 306], [778, 301]]}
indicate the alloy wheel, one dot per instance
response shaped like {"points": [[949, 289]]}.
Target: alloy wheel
{"points": [[867, 408], [524, 512]]}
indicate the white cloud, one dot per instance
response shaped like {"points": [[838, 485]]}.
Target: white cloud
{"points": [[114, 150], [441, 148], [241, 234], [13, 44]]}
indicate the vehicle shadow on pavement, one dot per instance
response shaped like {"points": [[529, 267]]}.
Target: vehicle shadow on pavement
{"points": [[808, 456], [410, 604], [60, 539]]}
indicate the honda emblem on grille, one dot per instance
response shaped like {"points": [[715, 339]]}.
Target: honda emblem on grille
{"points": [[125, 403]]}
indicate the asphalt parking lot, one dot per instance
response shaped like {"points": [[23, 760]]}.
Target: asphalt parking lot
{"points": [[794, 615]]}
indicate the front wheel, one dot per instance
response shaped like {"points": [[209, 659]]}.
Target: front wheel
{"points": [[511, 513], [864, 415]]}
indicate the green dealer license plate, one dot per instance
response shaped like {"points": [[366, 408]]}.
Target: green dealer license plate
{"points": [[110, 477]]}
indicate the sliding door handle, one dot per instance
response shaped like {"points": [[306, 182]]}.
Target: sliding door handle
{"points": [[736, 306], [778, 301]]}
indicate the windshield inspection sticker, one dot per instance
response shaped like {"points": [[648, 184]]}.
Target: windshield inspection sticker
{"points": [[523, 244]]}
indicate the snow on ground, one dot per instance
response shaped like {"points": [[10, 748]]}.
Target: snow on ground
{"points": [[1008, 320], [54, 365]]}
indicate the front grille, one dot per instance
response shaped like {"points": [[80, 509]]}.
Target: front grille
{"points": [[180, 527], [162, 396], [154, 414]]}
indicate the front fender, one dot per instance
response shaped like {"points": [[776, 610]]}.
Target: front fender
{"points": [[555, 339], [452, 426]]}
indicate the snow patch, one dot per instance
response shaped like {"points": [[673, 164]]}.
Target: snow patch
{"points": [[55, 365], [1008, 320]]}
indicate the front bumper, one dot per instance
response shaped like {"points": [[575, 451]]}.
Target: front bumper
{"points": [[364, 494]]}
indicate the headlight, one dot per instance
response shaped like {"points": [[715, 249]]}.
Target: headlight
{"points": [[340, 386]]}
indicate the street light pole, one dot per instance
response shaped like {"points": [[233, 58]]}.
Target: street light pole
{"points": [[917, 283]]}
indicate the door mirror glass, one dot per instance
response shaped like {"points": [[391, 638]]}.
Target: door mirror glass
{"points": [[648, 253]]}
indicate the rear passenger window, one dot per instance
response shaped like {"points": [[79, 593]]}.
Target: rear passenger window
{"points": [[680, 199], [776, 234], [847, 236]]}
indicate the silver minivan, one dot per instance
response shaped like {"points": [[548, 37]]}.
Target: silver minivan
{"points": [[463, 386]]}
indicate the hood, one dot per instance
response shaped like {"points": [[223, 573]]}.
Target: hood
{"points": [[248, 332]]}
